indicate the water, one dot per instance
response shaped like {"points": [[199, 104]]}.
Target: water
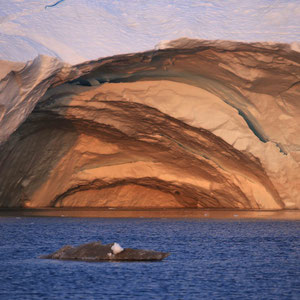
{"points": [[209, 259]]}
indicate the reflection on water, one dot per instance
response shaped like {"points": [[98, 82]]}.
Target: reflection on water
{"points": [[210, 259], [155, 213]]}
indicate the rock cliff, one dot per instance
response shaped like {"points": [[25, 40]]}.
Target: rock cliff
{"points": [[191, 124]]}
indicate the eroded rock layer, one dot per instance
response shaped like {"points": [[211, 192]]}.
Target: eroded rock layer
{"points": [[201, 124]]}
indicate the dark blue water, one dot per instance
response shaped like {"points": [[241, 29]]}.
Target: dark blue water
{"points": [[209, 259]]}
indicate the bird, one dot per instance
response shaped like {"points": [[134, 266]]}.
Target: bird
{"points": [[116, 248]]}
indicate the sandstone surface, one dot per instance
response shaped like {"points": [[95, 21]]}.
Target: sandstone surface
{"points": [[191, 124]]}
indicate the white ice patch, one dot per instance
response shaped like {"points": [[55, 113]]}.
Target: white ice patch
{"points": [[64, 28], [116, 248]]}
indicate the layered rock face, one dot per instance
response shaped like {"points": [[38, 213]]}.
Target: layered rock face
{"points": [[196, 124]]}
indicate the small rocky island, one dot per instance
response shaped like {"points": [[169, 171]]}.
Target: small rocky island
{"points": [[97, 252]]}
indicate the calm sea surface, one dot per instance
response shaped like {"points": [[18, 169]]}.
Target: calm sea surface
{"points": [[210, 259]]}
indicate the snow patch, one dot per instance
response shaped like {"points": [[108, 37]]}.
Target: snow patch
{"points": [[81, 30]]}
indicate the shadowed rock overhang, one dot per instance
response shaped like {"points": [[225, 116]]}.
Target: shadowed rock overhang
{"points": [[201, 124]]}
